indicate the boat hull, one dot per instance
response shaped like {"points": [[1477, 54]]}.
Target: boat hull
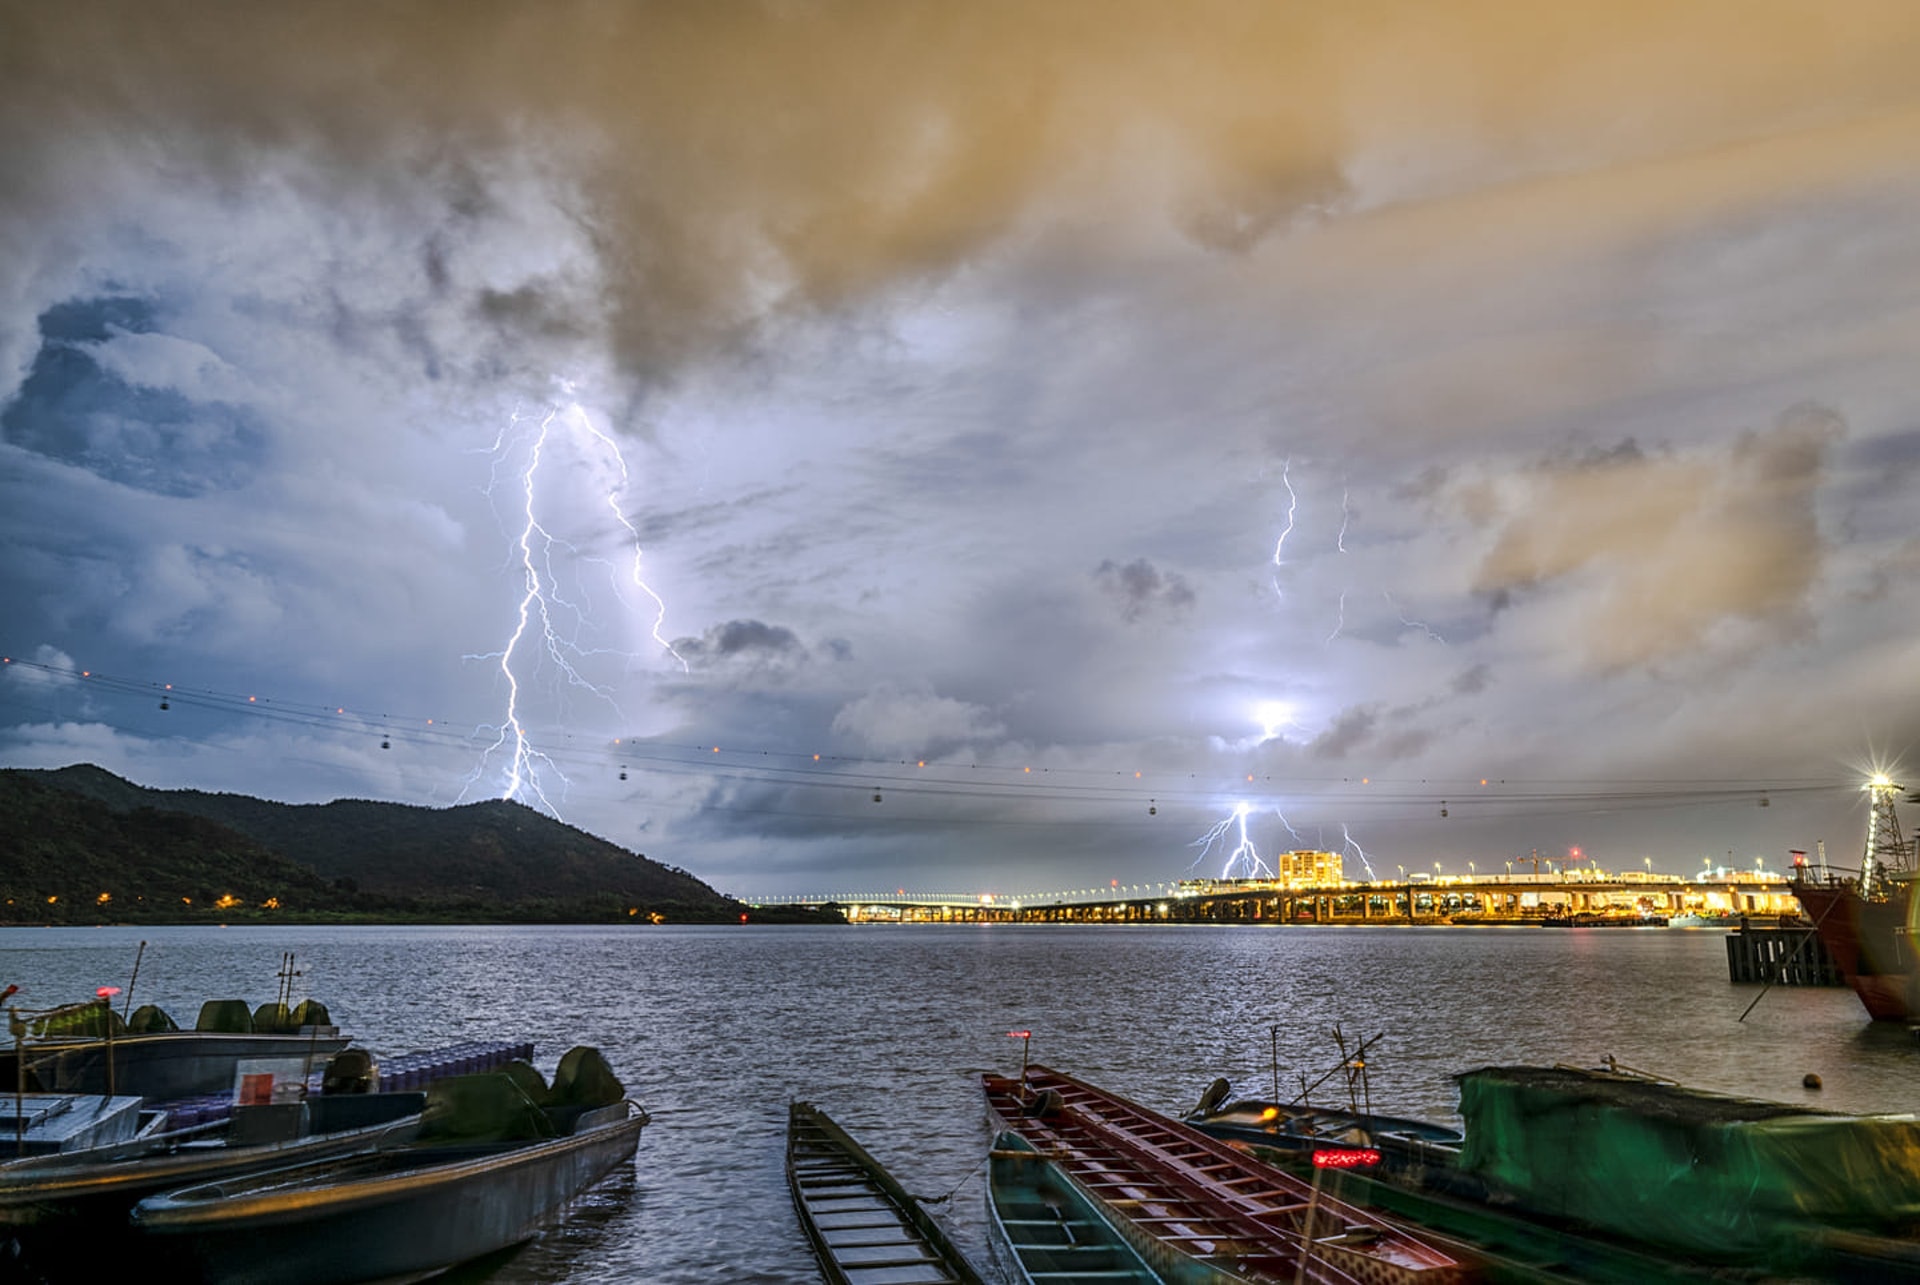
{"points": [[1055, 1233], [1202, 1198], [389, 1214], [169, 1064], [63, 1192], [1868, 941], [863, 1224]]}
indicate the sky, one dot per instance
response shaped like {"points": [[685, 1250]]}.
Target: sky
{"points": [[974, 448]]}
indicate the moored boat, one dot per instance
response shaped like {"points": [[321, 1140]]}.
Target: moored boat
{"points": [[78, 1194], [863, 1225], [1418, 1180], [1300, 1128], [89, 1048], [1695, 919], [492, 1164], [1200, 1196], [1706, 1175], [1867, 922], [1056, 1233]]}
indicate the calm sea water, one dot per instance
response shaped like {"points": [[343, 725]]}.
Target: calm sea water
{"points": [[715, 1029]]}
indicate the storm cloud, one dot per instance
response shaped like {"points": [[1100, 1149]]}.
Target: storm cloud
{"points": [[1213, 403]]}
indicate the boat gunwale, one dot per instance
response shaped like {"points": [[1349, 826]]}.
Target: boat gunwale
{"points": [[206, 1207]]}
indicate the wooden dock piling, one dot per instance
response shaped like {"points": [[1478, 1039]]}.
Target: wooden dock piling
{"points": [[1780, 955]]}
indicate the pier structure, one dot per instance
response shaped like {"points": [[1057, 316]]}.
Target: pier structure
{"points": [[1493, 899]]}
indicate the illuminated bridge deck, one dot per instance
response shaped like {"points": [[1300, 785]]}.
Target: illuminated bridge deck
{"points": [[1493, 900]]}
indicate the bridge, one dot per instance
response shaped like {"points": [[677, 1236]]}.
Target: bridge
{"points": [[1465, 899]]}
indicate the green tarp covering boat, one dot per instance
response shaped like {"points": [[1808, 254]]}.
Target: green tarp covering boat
{"points": [[1706, 1174]]}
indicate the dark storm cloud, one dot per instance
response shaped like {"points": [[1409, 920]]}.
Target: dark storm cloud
{"points": [[1139, 588], [1351, 729], [1472, 681], [84, 402], [907, 316], [743, 641]]}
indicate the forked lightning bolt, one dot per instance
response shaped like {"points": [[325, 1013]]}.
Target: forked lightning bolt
{"points": [[547, 624], [1243, 852]]}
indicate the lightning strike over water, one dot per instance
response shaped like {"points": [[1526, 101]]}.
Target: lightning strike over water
{"points": [[1351, 844], [1243, 853], [548, 626]]}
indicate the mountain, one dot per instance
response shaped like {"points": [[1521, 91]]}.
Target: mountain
{"points": [[64, 859], [84, 828]]}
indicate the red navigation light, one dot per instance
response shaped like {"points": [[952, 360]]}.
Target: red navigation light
{"points": [[105, 992], [743, 919], [1345, 1158], [1019, 1035]]}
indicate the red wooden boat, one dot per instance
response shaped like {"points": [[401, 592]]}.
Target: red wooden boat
{"points": [[1202, 1197]]}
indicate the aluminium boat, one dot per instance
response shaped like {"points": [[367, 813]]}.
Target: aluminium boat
{"points": [[498, 1155], [89, 1048]]}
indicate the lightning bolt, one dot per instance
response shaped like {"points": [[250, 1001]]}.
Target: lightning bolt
{"points": [[1293, 505], [1340, 622], [1353, 845], [1243, 853], [1340, 541], [547, 625], [1421, 625]]}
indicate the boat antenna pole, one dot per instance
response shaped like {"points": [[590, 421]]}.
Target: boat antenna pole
{"points": [[1273, 1039], [127, 1003], [1026, 1042]]}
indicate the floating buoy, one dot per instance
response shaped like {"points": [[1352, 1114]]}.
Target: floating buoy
{"points": [[1152, 808], [1809, 1081]]}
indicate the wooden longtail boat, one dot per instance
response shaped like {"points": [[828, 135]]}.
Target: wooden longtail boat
{"points": [[1203, 1197], [865, 1227], [1057, 1234], [1511, 1248]]}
